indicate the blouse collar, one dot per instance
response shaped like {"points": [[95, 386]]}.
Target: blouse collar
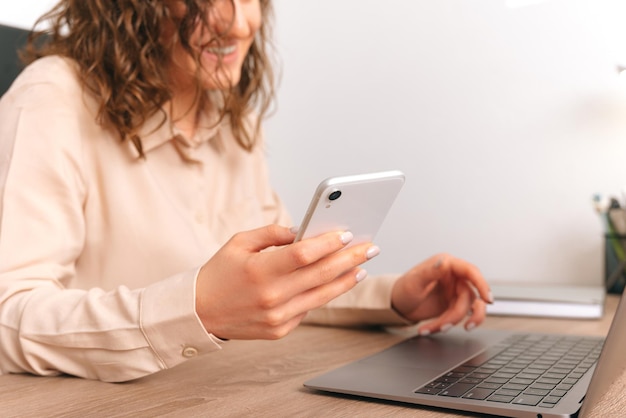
{"points": [[159, 129]]}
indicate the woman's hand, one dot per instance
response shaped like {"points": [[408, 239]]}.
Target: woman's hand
{"points": [[244, 292], [445, 289]]}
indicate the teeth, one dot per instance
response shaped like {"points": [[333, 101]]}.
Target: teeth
{"points": [[225, 50]]}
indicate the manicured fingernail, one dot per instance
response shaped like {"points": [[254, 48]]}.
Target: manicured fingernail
{"points": [[438, 263], [446, 327], [362, 274], [424, 332], [294, 229], [372, 252], [346, 237], [470, 326]]}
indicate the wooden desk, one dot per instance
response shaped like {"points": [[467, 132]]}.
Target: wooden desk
{"points": [[255, 379]]}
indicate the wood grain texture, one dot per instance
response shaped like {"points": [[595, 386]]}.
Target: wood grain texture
{"points": [[259, 378]]}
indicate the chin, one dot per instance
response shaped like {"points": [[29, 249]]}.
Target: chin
{"points": [[225, 80]]}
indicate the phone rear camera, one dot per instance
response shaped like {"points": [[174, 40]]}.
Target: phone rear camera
{"points": [[334, 195]]}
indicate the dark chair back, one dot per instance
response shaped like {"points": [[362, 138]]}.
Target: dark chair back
{"points": [[11, 40]]}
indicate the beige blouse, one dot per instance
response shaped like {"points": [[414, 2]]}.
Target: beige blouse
{"points": [[99, 249]]}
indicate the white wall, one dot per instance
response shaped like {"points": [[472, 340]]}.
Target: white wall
{"points": [[505, 120], [23, 13]]}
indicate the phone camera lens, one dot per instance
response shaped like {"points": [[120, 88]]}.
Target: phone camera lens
{"points": [[334, 195]]}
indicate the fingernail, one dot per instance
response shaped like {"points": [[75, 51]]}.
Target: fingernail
{"points": [[446, 327], [490, 300], [470, 326], [438, 263], [346, 237], [424, 333], [294, 229], [362, 274], [372, 252]]}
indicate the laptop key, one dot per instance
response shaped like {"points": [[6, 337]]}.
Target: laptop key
{"points": [[558, 392], [501, 398], [437, 385], [487, 385], [551, 399], [487, 369], [514, 370], [456, 390], [517, 380], [526, 375], [427, 390], [515, 386], [496, 380], [445, 379], [478, 393], [538, 392], [530, 400], [549, 380], [543, 386], [550, 375], [471, 380], [508, 392]]}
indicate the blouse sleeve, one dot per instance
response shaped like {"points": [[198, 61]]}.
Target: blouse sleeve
{"points": [[47, 328]]}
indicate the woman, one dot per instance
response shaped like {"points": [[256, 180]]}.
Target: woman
{"points": [[138, 228]]}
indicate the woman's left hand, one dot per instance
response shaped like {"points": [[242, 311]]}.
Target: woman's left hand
{"points": [[445, 289]]}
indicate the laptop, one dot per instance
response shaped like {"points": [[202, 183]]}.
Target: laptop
{"points": [[493, 372]]}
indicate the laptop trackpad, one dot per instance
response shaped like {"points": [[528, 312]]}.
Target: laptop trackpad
{"points": [[438, 352]]}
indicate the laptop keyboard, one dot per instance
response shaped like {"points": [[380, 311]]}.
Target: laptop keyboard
{"points": [[523, 369]]}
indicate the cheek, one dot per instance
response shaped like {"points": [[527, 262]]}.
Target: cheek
{"points": [[182, 66], [255, 18], [249, 14]]}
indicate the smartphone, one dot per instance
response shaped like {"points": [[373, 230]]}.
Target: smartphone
{"points": [[357, 203]]}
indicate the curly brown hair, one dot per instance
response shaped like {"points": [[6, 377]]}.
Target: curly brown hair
{"points": [[123, 60]]}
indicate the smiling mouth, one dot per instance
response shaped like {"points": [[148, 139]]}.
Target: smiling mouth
{"points": [[224, 50]]}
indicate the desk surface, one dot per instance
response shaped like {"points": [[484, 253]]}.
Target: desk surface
{"points": [[257, 378]]}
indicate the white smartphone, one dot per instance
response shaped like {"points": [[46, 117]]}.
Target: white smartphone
{"points": [[357, 203]]}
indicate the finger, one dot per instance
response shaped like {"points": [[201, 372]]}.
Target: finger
{"points": [[276, 331], [281, 320], [424, 278], [477, 316], [434, 269], [329, 269], [461, 269], [467, 271], [306, 252], [321, 295], [264, 237], [456, 311]]}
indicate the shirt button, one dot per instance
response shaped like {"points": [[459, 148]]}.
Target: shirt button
{"points": [[189, 352]]}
